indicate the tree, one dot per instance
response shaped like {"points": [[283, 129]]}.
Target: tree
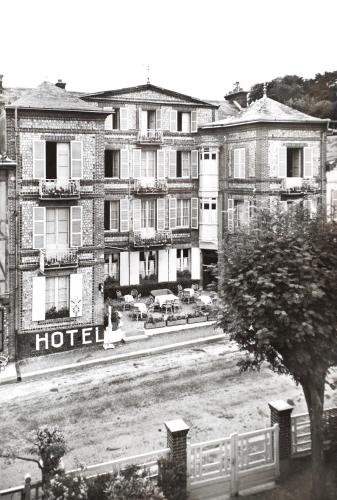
{"points": [[278, 286]]}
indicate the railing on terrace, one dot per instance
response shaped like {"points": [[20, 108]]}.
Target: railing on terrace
{"points": [[150, 136], [19, 492], [301, 433], [158, 238], [150, 186], [55, 259], [59, 189], [298, 184]]}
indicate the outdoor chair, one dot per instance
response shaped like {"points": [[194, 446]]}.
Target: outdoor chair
{"points": [[167, 307], [177, 306]]}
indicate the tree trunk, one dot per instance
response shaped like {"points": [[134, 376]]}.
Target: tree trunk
{"points": [[314, 395]]}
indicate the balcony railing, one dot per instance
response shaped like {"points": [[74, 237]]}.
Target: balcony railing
{"points": [[157, 239], [150, 136], [150, 186], [298, 185], [57, 259], [59, 189]]}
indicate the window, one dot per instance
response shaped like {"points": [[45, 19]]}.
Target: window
{"points": [[183, 259], [148, 120], [111, 266], [111, 215], [112, 121], [57, 228], [183, 213], [148, 166], [239, 155], [57, 297], [183, 164], [57, 160], [240, 216], [184, 121], [208, 207], [1, 330], [148, 214], [148, 265], [294, 162], [111, 163]]}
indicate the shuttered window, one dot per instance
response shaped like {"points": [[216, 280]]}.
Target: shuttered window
{"points": [[161, 170], [137, 161], [282, 162], [124, 163], [308, 163], [76, 159], [124, 215], [240, 163], [173, 120], [172, 163], [194, 213], [76, 226], [172, 213], [160, 214], [194, 124], [39, 159], [39, 227], [183, 213], [158, 119], [194, 164]]}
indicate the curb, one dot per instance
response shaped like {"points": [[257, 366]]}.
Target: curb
{"points": [[119, 357]]}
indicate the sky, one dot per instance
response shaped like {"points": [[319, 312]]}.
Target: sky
{"points": [[200, 48]]}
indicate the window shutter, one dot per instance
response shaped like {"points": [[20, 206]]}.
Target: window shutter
{"points": [[136, 214], [236, 163], [161, 164], [172, 164], [308, 163], [76, 295], [194, 163], [123, 113], [172, 213], [108, 123], [140, 121], [194, 125], [76, 226], [134, 268], [39, 159], [39, 298], [173, 121], [282, 162], [137, 160], [283, 206], [242, 163], [194, 212], [162, 266], [124, 278], [124, 215], [76, 159], [195, 263], [160, 214], [230, 216], [124, 163], [158, 119], [39, 227], [172, 264]]}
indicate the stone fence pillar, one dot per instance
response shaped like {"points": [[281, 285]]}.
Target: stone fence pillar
{"points": [[27, 487], [177, 431], [280, 413]]}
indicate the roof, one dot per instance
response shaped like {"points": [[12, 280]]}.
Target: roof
{"points": [[265, 110], [147, 87], [225, 108], [48, 96]]}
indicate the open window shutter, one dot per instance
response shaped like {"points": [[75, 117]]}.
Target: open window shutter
{"points": [[162, 266], [172, 164], [76, 295], [39, 298], [161, 164], [136, 214], [39, 227], [194, 125], [282, 162], [124, 278], [76, 159], [158, 119], [172, 264], [124, 215], [173, 121], [160, 214], [194, 212], [308, 163], [236, 163], [195, 263], [172, 213], [123, 113], [230, 216], [39, 159], [137, 160], [134, 268], [108, 123], [140, 121], [124, 163], [76, 226], [242, 163], [194, 163]]}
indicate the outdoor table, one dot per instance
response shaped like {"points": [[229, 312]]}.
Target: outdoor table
{"points": [[162, 291], [205, 299], [190, 291], [128, 299], [160, 300], [141, 307]]}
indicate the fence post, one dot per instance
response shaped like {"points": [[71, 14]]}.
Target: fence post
{"points": [[234, 465], [177, 431], [27, 487], [280, 413]]}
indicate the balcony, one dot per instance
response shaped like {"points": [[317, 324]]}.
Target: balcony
{"points": [[297, 185], [141, 239], [150, 186], [59, 189], [150, 136], [58, 259]]}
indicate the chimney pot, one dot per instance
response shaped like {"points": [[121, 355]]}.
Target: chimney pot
{"points": [[237, 94], [60, 84]]}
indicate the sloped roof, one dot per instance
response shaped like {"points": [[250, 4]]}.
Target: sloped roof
{"points": [[265, 110], [225, 108], [114, 94], [48, 96]]}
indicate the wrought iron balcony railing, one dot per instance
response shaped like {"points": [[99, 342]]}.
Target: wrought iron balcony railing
{"points": [[150, 136], [158, 239], [299, 185], [57, 259], [150, 186], [59, 189]]}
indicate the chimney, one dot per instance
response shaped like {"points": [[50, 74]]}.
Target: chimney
{"points": [[60, 84], [238, 95]]}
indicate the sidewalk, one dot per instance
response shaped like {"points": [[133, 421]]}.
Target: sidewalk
{"points": [[86, 357]]}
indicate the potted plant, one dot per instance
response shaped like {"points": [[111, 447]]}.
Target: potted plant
{"points": [[195, 317], [154, 322], [176, 319]]}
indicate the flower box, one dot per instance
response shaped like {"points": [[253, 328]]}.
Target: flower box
{"points": [[198, 319], [150, 326], [212, 317], [176, 322]]}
